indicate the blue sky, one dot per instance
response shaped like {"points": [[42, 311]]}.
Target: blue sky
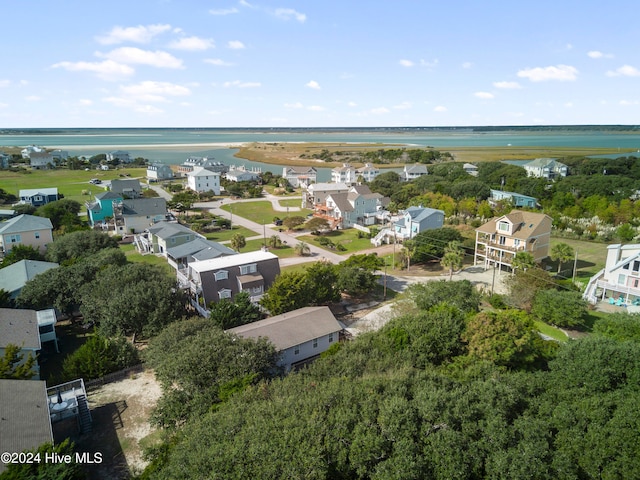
{"points": [[285, 63]]}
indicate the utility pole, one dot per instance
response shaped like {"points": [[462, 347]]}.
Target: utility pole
{"points": [[493, 280], [384, 294], [575, 265]]}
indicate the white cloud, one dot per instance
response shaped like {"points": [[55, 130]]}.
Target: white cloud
{"points": [[379, 110], [148, 109], [626, 103], [218, 62], [150, 91], [288, 13], [33, 98], [406, 63], [193, 44], [239, 84], [84, 102], [429, 64], [624, 71], [467, 65], [4, 83], [133, 55], [293, 105], [224, 11], [484, 95], [139, 34], [562, 73], [106, 70], [313, 84], [568, 104], [352, 104], [440, 109], [403, 106], [598, 54], [316, 108], [507, 85], [235, 45]]}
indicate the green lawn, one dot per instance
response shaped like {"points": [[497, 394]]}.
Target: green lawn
{"points": [[70, 183], [592, 257], [291, 202], [259, 211], [283, 252], [226, 234], [348, 238], [550, 331], [299, 267], [133, 256]]}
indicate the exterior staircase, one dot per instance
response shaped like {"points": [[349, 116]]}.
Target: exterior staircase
{"points": [[379, 238], [590, 292], [84, 415]]}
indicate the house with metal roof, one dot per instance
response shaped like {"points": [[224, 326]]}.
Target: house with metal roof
{"points": [[38, 196], [24, 416], [16, 275], [212, 280], [300, 335], [20, 327], [119, 156], [411, 172], [417, 219], [25, 230], [138, 214], [498, 240], [162, 236], [159, 171], [516, 199], [548, 168]]}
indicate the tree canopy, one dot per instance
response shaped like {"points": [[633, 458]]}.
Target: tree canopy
{"points": [[74, 245]]}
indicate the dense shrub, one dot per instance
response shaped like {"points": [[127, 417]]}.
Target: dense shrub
{"points": [[98, 357]]}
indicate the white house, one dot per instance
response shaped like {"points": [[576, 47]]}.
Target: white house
{"points": [[344, 174], [547, 168], [417, 219], [159, 171], [357, 206], [242, 174], [203, 180], [300, 335], [368, 172], [471, 169], [620, 278], [118, 155], [209, 163], [298, 176], [27, 151], [316, 193], [412, 172], [41, 160]]}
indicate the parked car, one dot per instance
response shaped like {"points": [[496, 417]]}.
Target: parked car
{"points": [[95, 181], [278, 223]]}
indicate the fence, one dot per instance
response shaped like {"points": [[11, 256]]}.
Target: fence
{"points": [[113, 377]]}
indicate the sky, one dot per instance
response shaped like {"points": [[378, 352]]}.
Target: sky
{"points": [[310, 63]]}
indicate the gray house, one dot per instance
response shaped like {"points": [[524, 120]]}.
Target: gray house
{"points": [[416, 220], [129, 188], [300, 336], [136, 215], [159, 171], [20, 327], [16, 275]]}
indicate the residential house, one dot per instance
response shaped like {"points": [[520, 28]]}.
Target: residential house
{"points": [[316, 193], [218, 278], [417, 219], [299, 336], [516, 199], [16, 275], [136, 215], [38, 196], [162, 236], [157, 172], [42, 159], [118, 156], [242, 174], [471, 169], [209, 163], [498, 240], [298, 176], [27, 151], [179, 257], [411, 172], [127, 188], [619, 279], [203, 180], [59, 155], [47, 320], [6, 214], [26, 230], [548, 168], [358, 206], [24, 415], [344, 174], [5, 160], [20, 327], [101, 209], [367, 172]]}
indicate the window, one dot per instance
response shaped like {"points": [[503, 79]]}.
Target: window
{"points": [[36, 235], [502, 240], [330, 337], [14, 238], [503, 226], [315, 343], [251, 268], [516, 242], [296, 350], [221, 275], [621, 279], [636, 265], [224, 293], [256, 290], [45, 329]]}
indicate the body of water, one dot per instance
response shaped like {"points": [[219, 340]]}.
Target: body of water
{"points": [[173, 146]]}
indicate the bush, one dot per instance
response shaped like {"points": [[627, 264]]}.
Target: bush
{"points": [[98, 357], [497, 301]]}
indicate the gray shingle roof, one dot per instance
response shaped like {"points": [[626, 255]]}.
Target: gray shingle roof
{"points": [[19, 327], [292, 328], [144, 206], [200, 249], [24, 416], [25, 223], [166, 230], [13, 277]]}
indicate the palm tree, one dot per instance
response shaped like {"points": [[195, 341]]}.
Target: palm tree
{"points": [[238, 241], [302, 249], [453, 257], [562, 253], [523, 260], [275, 241]]}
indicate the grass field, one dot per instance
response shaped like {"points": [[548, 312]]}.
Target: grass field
{"points": [[550, 331], [226, 234], [133, 256], [348, 238], [259, 211], [591, 257], [290, 202], [70, 183], [284, 251]]}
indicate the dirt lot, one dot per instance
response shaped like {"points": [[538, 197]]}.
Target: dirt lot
{"points": [[120, 413]]}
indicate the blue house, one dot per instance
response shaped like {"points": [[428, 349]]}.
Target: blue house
{"points": [[416, 220], [102, 208], [38, 196], [517, 200]]}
